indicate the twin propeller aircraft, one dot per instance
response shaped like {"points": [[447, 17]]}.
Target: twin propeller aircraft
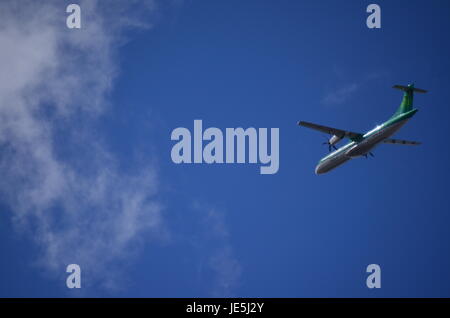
{"points": [[362, 144]]}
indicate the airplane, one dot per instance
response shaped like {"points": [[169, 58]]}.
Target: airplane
{"points": [[362, 144]]}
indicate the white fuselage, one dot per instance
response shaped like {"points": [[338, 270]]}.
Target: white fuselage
{"points": [[356, 149]]}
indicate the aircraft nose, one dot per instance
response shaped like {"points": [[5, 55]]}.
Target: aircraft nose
{"points": [[319, 169]]}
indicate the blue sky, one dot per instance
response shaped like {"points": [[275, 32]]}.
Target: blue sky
{"points": [[89, 178]]}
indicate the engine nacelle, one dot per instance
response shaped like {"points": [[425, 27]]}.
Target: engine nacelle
{"points": [[334, 140]]}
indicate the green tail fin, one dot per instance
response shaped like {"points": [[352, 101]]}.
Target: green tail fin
{"points": [[408, 96]]}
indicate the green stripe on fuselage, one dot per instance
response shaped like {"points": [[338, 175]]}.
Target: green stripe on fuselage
{"points": [[393, 120], [396, 118]]}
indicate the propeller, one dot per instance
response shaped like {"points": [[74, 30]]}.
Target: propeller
{"points": [[329, 145], [332, 141]]}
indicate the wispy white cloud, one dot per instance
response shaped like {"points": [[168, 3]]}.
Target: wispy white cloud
{"points": [[228, 272], [63, 186], [80, 208], [345, 90], [341, 94], [218, 253]]}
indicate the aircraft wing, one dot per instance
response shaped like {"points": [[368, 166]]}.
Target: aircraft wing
{"points": [[332, 131], [401, 142]]}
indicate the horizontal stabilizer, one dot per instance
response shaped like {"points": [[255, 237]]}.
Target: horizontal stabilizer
{"points": [[401, 142], [409, 89]]}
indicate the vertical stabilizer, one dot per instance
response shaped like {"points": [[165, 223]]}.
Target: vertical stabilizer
{"points": [[408, 96]]}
